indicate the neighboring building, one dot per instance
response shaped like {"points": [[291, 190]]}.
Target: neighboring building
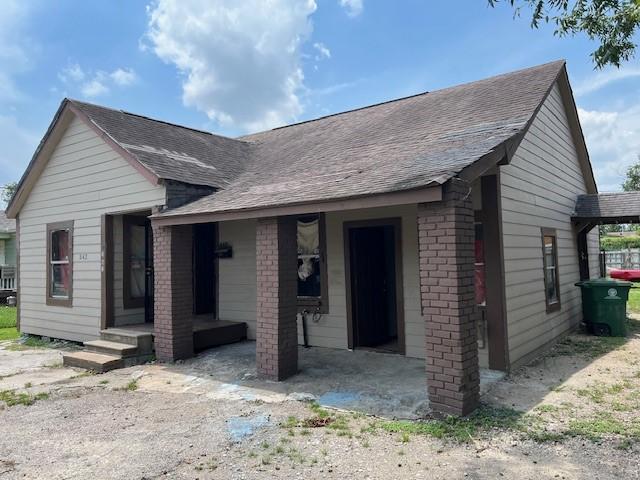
{"points": [[436, 226], [7, 257]]}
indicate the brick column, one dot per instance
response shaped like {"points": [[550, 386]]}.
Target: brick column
{"points": [[173, 292], [446, 243], [276, 328]]}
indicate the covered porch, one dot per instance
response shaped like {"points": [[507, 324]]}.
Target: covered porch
{"points": [[417, 260]]}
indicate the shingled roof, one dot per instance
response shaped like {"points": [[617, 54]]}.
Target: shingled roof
{"points": [[616, 207], [171, 151], [399, 145]]}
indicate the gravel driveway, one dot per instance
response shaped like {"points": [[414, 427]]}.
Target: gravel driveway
{"points": [[152, 421]]}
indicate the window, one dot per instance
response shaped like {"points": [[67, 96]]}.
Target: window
{"points": [[59, 263], [312, 268], [134, 260], [550, 263]]}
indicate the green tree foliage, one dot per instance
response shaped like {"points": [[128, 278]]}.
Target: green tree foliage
{"points": [[632, 182], [8, 190], [611, 23], [619, 243]]}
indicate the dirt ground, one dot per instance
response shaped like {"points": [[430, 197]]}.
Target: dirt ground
{"points": [[573, 414]]}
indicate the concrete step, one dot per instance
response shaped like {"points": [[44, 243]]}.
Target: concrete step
{"points": [[92, 361], [217, 332], [106, 347], [142, 340]]}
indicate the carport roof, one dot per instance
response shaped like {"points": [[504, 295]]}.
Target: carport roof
{"points": [[617, 207]]}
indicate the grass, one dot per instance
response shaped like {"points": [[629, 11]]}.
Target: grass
{"points": [[12, 398], [8, 330], [458, 429], [7, 317], [633, 304], [31, 341], [10, 333]]}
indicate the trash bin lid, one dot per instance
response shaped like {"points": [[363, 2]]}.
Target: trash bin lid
{"points": [[603, 282]]}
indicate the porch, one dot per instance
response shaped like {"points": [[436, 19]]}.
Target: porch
{"points": [[374, 383], [395, 278]]}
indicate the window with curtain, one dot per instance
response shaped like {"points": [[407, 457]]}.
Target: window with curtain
{"points": [[550, 265], [59, 263], [311, 262]]}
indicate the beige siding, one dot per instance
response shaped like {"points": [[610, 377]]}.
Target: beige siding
{"points": [[237, 275], [121, 316], [83, 179], [539, 189], [237, 284]]}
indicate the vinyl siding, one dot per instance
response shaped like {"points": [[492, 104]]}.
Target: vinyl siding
{"points": [[539, 189], [83, 179], [237, 275], [237, 279]]}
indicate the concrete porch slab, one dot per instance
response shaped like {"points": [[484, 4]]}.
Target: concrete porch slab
{"points": [[380, 384]]}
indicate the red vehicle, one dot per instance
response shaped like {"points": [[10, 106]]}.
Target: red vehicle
{"points": [[628, 275]]}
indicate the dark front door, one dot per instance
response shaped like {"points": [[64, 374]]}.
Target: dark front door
{"points": [[204, 276], [148, 273], [373, 287]]}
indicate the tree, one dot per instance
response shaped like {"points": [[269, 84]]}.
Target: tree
{"points": [[8, 190], [632, 182], [611, 23]]}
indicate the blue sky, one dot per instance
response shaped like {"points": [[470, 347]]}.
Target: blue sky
{"points": [[232, 67]]}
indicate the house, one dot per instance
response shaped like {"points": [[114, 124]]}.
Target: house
{"points": [[7, 257], [436, 226]]}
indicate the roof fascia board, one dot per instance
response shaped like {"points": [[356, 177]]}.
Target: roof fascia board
{"points": [[576, 130], [423, 195], [504, 152], [124, 153]]}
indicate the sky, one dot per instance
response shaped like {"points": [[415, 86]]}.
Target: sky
{"points": [[233, 67]]}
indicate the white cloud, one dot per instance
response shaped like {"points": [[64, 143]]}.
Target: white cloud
{"points": [[95, 84], [123, 77], [605, 78], [613, 140], [95, 87], [353, 7], [73, 73], [240, 61], [323, 51]]}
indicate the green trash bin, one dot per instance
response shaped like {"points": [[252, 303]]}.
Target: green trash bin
{"points": [[604, 305]]}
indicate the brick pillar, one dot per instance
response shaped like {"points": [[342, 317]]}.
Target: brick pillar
{"points": [[173, 292], [276, 328], [446, 244]]}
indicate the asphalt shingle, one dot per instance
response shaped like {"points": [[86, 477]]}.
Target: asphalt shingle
{"points": [[398, 145], [608, 206]]}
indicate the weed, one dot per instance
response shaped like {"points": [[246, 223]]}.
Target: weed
{"points": [[129, 387], [591, 347], [28, 385], [457, 428], [401, 452], [546, 408], [266, 460], [103, 382], [304, 431], [366, 444], [404, 438], [252, 454], [11, 398], [279, 449], [264, 445]]}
